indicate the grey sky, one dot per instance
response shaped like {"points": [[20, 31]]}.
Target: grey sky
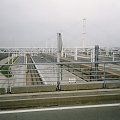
{"points": [[33, 23]]}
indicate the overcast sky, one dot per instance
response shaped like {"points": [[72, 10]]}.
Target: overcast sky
{"points": [[35, 23]]}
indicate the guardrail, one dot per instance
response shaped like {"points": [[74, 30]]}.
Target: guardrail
{"points": [[78, 75]]}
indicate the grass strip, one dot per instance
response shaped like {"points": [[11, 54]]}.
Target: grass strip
{"points": [[6, 71]]}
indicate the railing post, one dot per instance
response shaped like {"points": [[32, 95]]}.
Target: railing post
{"points": [[12, 58], [9, 87], [104, 84], [113, 57], [8, 57], [75, 55], [58, 88], [60, 72]]}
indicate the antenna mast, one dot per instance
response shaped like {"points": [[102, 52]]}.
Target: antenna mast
{"points": [[84, 33]]}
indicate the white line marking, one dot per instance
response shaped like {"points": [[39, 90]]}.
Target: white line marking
{"points": [[59, 108]]}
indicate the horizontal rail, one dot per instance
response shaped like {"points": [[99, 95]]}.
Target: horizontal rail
{"points": [[32, 74], [64, 63]]}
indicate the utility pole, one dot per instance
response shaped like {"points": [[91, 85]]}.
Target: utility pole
{"points": [[113, 56], [96, 60], [75, 56], [59, 50]]}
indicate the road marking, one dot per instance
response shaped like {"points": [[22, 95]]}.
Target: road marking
{"points": [[59, 108]]}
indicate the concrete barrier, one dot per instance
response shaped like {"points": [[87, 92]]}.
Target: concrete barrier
{"points": [[82, 86], [31, 89], [50, 88], [70, 87], [113, 85], [2, 91]]}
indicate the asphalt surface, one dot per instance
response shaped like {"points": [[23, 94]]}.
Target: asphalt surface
{"points": [[19, 72], [88, 113], [19, 60], [49, 72], [39, 59]]}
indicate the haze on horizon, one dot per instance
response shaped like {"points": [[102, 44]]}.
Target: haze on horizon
{"points": [[35, 23]]}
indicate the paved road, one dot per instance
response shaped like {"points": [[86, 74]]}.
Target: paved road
{"points": [[72, 113], [49, 73], [19, 73]]}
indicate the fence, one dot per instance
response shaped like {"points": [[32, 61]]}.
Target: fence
{"points": [[70, 73]]}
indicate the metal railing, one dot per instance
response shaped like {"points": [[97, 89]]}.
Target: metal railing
{"points": [[32, 74]]}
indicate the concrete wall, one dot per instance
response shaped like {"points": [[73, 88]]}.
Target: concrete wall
{"points": [[113, 85], [82, 86], [31, 89], [52, 88]]}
